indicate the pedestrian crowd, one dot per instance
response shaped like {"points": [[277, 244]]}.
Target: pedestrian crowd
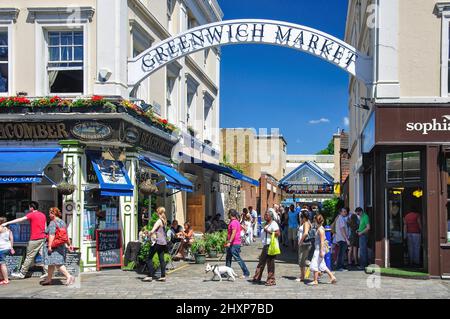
{"points": [[300, 228], [51, 241]]}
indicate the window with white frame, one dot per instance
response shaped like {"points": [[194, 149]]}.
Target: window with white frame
{"points": [[4, 61], [207, 120], [65, 65]]}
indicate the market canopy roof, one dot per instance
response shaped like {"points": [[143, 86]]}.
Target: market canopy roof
{"points": [[306, 176], [224, 170], [24, 165], [173, 178], [112, 176]]}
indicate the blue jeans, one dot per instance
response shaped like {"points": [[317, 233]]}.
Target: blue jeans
{"points": [[234, 251], [363, 253], [341, 254]]}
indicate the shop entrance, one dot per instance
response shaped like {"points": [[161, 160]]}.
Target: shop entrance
{"points": [[402, 201], [405, 210]]}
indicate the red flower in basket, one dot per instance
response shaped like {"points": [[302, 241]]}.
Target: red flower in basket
{"points": [[97, 98], [55, 99], [164, 122]]}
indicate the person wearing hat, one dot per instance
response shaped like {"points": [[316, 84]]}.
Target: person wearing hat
{"points": [[270, 227]]}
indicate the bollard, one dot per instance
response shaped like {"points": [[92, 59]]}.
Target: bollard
{"points": [[328, 238]]}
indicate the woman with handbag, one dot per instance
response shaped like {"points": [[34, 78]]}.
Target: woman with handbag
{"points": [[318, 261], [57, 241], [159, 247], [270, 250]]}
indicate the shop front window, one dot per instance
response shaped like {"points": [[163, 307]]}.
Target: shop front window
{"points": [[14, 200], [100, 212], [403, 167]]}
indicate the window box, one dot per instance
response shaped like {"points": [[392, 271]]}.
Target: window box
{"points": [[52, 109]]}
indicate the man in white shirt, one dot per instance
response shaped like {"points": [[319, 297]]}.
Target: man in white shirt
{"points": [[342, 239]]}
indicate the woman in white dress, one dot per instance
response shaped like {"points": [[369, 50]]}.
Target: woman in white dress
{"points": [[318, 261]]}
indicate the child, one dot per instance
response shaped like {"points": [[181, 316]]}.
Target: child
{"points": [[6, 247]]}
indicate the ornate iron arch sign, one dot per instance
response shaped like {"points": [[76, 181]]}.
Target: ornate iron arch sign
{"points": [[294, 36]]}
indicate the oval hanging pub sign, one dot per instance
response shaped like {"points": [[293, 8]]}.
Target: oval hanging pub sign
{"points": [[92, 131]]}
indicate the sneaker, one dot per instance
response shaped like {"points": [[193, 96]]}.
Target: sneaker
{"points": [[163, 279], [17, 275], [148, 279], [43, 276]]}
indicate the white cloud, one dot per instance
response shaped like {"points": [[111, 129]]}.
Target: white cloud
{"points": [[322, 120], [346, 121]]}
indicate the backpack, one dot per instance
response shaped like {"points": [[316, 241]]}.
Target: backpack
{"points": [[61, 237], [311, 233]]}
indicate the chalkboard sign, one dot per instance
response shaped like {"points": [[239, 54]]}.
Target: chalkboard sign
{"points": [[13, 263], [73, 263], [109, 248]]}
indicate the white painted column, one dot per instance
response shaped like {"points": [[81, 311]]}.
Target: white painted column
{"points": [[388, 84], [73, 205], [128, 204], [112, 47]]}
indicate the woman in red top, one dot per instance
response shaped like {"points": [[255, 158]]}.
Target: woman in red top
{"points": [[412, 229]]}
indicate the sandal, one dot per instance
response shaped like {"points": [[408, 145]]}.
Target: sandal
{"points": [[4, 283], [333, 281], [312, 283], [46, 283], [269, 284]]}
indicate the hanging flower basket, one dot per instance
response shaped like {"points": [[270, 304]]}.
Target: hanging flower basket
{"points": [[148, 188], [65, 188]]}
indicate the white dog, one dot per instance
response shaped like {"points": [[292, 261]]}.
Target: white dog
{"points": [[221, 270]]}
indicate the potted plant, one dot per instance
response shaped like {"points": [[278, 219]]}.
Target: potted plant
{"points": [[198, 248], [15, 104], [213, 244], [148, 188]]}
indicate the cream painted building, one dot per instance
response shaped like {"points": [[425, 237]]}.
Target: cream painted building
{"points": [[399, 143], [80, 49], [254, 153]]}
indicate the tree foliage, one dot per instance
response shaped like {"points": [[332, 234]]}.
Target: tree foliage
{"points": [[330, 208], [329, 150]]}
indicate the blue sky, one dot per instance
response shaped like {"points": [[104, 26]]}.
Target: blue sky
{"points": [[268, 87]]}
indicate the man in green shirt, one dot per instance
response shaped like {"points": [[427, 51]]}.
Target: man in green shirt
{"points": [[363, 233]]}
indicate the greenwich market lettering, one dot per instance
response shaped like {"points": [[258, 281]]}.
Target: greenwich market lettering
{"points": [[33, 131], [269, 32], [433, 126]]}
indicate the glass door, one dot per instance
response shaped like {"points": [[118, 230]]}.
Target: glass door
{"points": [[404, 214]]}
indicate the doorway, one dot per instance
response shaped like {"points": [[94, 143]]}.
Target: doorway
{"points": [[402, 201]]}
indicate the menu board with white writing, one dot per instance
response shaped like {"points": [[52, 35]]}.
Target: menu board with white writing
{"points": [[109, 248]]}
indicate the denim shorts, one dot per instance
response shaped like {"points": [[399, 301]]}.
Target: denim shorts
{"points": [[3, 254]]}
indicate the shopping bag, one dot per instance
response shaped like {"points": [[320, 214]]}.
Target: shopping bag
{"points": [[274, 247]]}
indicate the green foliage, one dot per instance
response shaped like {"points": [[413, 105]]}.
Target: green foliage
{"points": [[145, 251], [330, 209], [131, 265], [199, 246], [329, 150], [216, 241]]}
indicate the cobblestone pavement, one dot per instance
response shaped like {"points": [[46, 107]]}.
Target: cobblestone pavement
{"points": [[190, 281]]}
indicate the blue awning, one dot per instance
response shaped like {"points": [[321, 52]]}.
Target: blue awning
{"points": [[172, 177], [24, 165], [225, 171], [112, 176]]}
